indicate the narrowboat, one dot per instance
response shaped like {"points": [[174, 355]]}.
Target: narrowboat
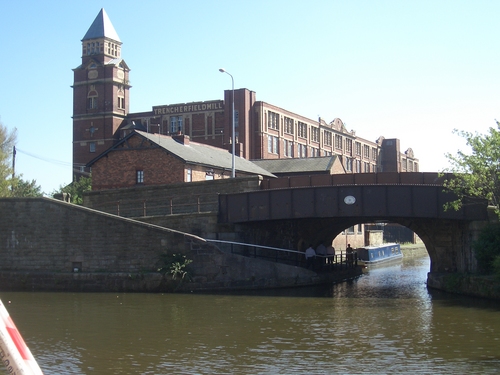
{"points": [[380, 254]]}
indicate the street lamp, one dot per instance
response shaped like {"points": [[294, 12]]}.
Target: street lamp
{"points": [[233, 138]]}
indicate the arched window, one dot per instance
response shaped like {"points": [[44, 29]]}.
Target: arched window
{"points": [[92, 98]]}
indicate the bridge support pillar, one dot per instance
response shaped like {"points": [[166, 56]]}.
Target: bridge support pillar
{"points": [[449, 243]]}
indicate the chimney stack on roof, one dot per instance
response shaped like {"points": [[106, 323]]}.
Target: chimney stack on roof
{"points": [[181, 138]]}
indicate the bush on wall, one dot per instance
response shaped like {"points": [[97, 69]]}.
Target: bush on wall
{"points": [[487, 250]]}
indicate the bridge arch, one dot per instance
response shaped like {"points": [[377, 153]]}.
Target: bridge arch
{"points": [[290, 217]]}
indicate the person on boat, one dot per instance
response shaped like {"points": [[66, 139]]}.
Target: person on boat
{"points": [[310, 256], [350, 255]]}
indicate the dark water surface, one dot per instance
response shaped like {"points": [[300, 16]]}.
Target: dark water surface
{"points": [[384, 322]]}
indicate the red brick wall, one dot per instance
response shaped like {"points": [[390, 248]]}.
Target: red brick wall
{"points": [[118, 168], [198, 126], [105, 119]]}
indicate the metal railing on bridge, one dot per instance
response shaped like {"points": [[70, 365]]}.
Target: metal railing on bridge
{"points": [[162, 206], [291, 257], [369, 178]]}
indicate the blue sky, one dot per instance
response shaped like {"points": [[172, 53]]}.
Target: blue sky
{"points": [[412, 70]]}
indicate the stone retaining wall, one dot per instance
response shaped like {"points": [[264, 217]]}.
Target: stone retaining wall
{"points": [[50, 245], [465, 284]]}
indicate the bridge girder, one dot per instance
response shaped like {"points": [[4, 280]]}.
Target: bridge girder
{"points": [[407, 201]]}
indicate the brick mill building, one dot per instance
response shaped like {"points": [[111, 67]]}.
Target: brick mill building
{"points": [[101, 120]]}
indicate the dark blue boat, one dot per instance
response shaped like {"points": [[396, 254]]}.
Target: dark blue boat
{"points": [[371, 255]]}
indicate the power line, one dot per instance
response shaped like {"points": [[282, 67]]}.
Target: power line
{"points": [[53, 161], [57, 162]]}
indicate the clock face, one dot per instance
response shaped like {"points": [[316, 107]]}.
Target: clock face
{"points": [[92, 74], [349, 199], [120, 74]]}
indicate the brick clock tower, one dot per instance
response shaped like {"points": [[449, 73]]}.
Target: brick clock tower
{"points": [[100, 94]]}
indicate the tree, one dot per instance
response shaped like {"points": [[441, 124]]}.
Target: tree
{"points": [[478, 174], [7, 143], [22, 188], [487, 250], [76, 189]]}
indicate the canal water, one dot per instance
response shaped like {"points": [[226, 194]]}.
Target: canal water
{"points": [[384, 322]]}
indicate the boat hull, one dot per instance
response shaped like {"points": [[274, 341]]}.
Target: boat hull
{"points": [[383, 254]]}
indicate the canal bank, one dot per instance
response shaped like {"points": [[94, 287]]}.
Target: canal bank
{"points": [[465, 284], [456, 283], [410, 250], [245, 274]]}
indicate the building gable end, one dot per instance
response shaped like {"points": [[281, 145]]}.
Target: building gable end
{"points": [[122, 64]]}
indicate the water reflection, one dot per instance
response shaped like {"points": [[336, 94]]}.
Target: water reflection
{"points": [[383, 322]]}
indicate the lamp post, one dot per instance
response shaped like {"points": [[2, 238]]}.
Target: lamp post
{"points": [[233, 137]]}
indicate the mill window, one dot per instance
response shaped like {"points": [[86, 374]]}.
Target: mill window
{"points": [[366, 151], [175, 124], [315, 134], [302, 130], [273, 120], [272, 144], [338, 141], [288, 148], [348, 146], [288, 125], [302, 151], [328, 138], [358, 148], [140, 177]]}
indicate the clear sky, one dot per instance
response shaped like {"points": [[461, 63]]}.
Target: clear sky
{"points": [[412, 70]]}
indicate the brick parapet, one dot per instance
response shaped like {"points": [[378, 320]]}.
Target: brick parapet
{"points": [[167, 199]]}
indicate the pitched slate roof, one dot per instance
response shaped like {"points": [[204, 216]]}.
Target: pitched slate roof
{"points": [[195, 153], [102, 28], [278, 166], [116, 61]]}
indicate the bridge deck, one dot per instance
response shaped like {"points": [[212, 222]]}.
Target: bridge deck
{"points": [[382, 178], [364, 201]]}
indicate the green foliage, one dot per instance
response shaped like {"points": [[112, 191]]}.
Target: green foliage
{"points": [[13, 186], [22, 188], [76, 189], [496, 266], [476, 174], [175, 264], [7, 143], [487, 249]]}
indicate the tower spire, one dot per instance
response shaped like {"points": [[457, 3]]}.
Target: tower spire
{"points": [[101, 40], [102, 28]]}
